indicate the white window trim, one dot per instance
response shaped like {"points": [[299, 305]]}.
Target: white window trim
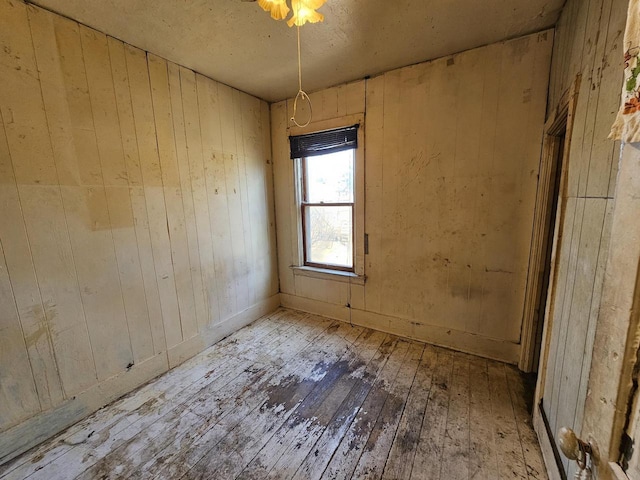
{"points": [[358, 275], [325, 274]]}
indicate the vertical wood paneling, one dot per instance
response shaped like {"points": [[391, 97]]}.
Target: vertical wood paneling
{"points": [[563, 314], [55, 270], [143, 115], [284, 196], [201, 186], [16, 384], [389, 267], [25, 288], [588, 40], [594, 309], [231, 175], [452, 152], [374, 126], [255, 174], [136, 190], [118, 237], [272, 278], [27, 133], [186, 188], [245, 218], [569, 364], [110, 147], [173, 197], [208, 107], [87, 216]]}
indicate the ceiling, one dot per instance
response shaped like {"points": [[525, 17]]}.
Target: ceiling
{"points": [[235, 42]]}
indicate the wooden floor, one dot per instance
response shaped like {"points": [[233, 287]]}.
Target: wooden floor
{"points": [[299, 396]]}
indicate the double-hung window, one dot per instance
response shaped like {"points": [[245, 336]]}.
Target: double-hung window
{"points": [[327, 210], [330, 198]]}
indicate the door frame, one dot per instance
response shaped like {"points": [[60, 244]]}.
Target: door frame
{"points": [[560, 120], [614, 377], [564, 111]]}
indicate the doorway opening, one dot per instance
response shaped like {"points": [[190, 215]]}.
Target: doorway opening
{"points": [[558, 143], [540, 267], [546, 228]]}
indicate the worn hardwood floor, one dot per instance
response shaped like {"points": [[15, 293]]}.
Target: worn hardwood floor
{"points": [[298, 396]]}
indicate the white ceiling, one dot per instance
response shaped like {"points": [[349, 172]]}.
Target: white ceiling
{"points": [[235, 42]]}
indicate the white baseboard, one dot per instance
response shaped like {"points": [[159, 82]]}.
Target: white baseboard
{"points": [[37, 429], [494, 349]]}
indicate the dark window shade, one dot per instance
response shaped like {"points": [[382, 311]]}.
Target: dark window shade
{"points": [[322, 143]]}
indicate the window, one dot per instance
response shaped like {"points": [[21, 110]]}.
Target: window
{"points": [[328, 158], [328, 210]]}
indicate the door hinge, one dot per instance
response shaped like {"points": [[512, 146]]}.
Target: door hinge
{"points": [[366, 244]]}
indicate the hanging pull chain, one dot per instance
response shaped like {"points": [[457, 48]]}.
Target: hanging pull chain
{"points": [[302, 95]]}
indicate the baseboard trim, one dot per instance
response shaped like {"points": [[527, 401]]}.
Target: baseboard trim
{"points": [[500, 350], [28, 434], [36, 430], [217, 331]]}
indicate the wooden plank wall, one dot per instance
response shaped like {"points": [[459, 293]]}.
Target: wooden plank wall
{"points": [[136, 218], [452, 151], [588, 42]]}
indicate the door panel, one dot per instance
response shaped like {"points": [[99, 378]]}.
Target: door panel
{"points": [[581, 270]]}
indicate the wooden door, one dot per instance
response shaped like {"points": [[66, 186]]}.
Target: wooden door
{"points": [[579, 261], [565, 356]]}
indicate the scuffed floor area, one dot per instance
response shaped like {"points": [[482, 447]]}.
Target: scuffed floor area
{"points": [[297, 396]]}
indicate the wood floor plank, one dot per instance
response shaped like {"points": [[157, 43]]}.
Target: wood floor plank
{"points": [[278, 443], [208, 404], [360, 364], [510, 457], [455, 456], [118, 425], [311, 362], [171, 384], [529, 441], [302, 418], [403, 450], [483, 460], [347, 455], [321, 454], [297, 396], [426, 465], [376, 450]]}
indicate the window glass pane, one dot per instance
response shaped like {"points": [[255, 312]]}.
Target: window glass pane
{"points": [[330, 178], [329, 235]]}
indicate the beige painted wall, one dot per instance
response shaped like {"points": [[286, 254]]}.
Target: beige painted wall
{"points": [[452, 151], [136, 219]]}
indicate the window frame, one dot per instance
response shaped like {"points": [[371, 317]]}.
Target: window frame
{"points": [[304, 204], [357, 272]]}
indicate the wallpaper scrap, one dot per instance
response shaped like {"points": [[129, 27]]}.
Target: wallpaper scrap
{"points": [[627, 124]]}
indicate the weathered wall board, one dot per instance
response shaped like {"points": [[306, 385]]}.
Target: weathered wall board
{"points": [[452, 151], [589, 38], [136, 218]]}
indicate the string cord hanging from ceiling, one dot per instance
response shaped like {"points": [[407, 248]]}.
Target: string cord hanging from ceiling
{"points": [[303, 11], [301, 95]]}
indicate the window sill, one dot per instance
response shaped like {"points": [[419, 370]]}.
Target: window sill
{"points": [[325, 274]]}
